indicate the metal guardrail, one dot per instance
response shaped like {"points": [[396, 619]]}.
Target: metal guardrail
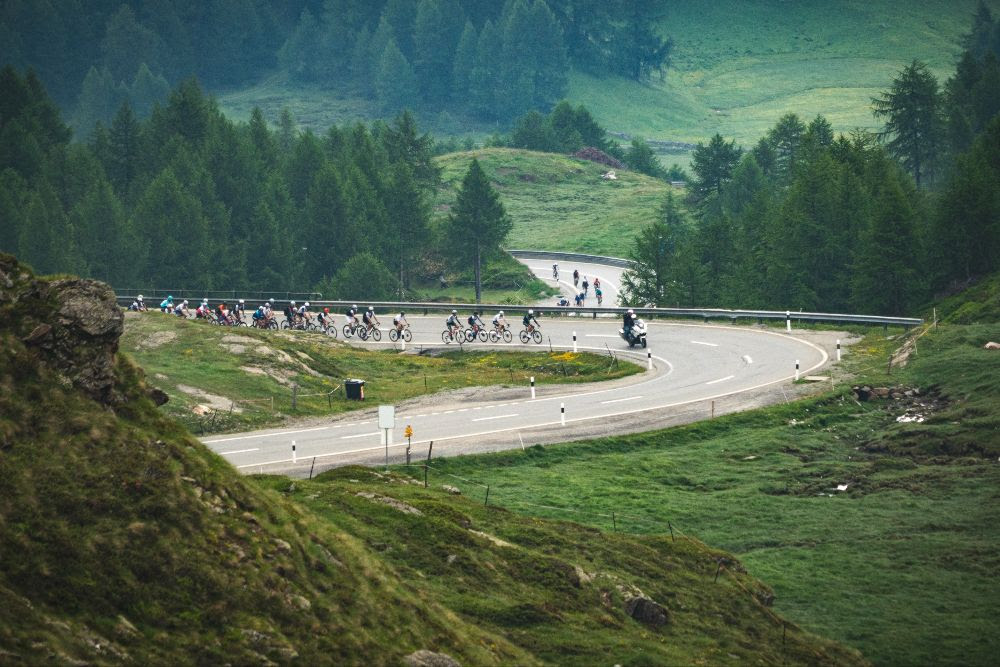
{"points": [[194, 295], [572, 256], [385, 307]]}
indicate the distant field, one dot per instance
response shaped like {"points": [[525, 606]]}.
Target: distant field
{"points": [[560, 203], [738, 65]]}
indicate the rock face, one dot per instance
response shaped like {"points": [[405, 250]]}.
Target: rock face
{"points": [[73, 325], [647, 611]]}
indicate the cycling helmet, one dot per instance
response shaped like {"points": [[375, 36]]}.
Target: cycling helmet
{"points": [[371, 309], [454, 312], [140, 297], [326, 310], [185, 302], [531, 312], [241, 300], [631, 312], [307, 304], [293, 303], [170, 298], [270, 300], [354, 307], [402, 314], [500, 313]]}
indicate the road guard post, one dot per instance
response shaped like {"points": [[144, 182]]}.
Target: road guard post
{"points": [[409, 435]]}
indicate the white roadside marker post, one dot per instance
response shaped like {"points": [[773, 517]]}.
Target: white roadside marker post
{"points": [[574, 342], [294, 455], [788, 321], [562, 413], [532, 387], [838, 349], [649, 358], [796, 370]]}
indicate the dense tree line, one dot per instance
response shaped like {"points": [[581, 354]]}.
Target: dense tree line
{"points": [[189, 198], [495, 60], [870, 222]]}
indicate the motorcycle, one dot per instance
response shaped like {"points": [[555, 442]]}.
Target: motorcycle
{"points": [[637, 336]]}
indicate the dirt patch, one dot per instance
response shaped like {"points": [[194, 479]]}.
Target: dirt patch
{"points": [[235, 348], [209, 401], [230, 338], [495, 540], [156, 339]]}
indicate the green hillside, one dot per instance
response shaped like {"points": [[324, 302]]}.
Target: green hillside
{"points": [[898, 564], [559, 202], [737, 66], [124, 540]]}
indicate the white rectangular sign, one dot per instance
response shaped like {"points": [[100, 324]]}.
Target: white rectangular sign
{"points": [[386, 416]]}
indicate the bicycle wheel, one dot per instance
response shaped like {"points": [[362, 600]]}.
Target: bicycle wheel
{"points": [[393, 335], [241, 323], [469, 335], [347, 331], [507, 336], [331, 331], [537, 336], [446, 337], [376, 335], [285, 325], [407, 336], [494, 336], [362, 333], [524, 336], [483, 335], [272, 325]]}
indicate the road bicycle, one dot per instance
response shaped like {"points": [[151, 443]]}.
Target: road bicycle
{"points": [[479, 332], [351, 328], [395, 334], [535, 335], [366, 332], [501, 333], [266, 323], [455, 335]]}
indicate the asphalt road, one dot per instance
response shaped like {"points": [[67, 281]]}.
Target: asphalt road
{"points": [[611, 278], [692, 365]]}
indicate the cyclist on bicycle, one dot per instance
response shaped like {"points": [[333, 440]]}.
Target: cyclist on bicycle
{"points": [[238, 310], [181, 309], [475, 323], [399, 321], [138, 304], [352, 317], [369, 319], [452, 323], [499, 323], [289, 313], [221, 313], [302, 315], [555, 271], [529, 321], [259, 316], [323, 317], [167, 304]]}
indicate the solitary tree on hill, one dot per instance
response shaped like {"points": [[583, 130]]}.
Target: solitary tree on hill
{"points": [[478, 224]]}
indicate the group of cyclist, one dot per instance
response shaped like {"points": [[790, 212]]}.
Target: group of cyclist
{"points": [[581, 297], [298, 316]]}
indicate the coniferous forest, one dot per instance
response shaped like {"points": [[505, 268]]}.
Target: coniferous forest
{"points": [[164, 190]]}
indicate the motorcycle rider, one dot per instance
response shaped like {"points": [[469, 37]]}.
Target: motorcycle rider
{"points": [[629, 322]]}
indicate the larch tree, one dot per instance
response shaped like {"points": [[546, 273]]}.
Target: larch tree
{"points": [[914, 125], [478, 224]]}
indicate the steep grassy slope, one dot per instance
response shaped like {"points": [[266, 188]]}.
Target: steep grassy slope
{"points": [[899, 565], [206, 370], [978, 303], [122, 539], [559, 202]]}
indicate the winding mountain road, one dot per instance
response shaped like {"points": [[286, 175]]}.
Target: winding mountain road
{"points": [[692, 366]]}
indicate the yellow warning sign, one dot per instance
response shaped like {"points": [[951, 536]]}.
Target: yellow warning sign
{"points": [[408, 432]]}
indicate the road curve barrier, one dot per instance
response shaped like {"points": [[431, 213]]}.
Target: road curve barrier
{"points": [[386, 307], [571, 257]]}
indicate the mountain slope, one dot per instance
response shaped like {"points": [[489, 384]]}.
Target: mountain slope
{"points": [[122, 539], [558, 202]]}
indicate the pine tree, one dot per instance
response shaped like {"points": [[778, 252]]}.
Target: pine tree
{"points": [[402, 16], [651, 278], [551, 59], [465, 62], [298, 54], [515, 92], [435, 38], [127, 43], [485, 77], [713, 165], [99, 98], [640, 157], [885, 276], [478, 224], [409, 213], [786, 140], [286, 130], [404, 144], [395, 83], [264, 146], [914, 128], [147, 90], [124, 151]]}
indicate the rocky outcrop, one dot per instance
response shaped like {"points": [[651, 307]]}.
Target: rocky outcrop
{"points": [[645, 610], [72, 325], [425, 658]]}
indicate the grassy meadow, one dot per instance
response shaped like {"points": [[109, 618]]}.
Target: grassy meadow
{"points": [[900, 565], [559, 202]]}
